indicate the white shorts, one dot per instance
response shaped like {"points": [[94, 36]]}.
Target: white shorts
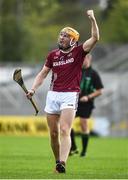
{"points": [[56, 101]]}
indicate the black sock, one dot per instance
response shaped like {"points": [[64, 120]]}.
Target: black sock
{"points": [[73, 143], [57, 161], [85, 139]]}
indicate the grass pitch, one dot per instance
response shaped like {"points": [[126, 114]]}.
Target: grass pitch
{"points": [[31, 158]]}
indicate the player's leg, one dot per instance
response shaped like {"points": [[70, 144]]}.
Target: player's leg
{"points": [[74, 149], [53, 124], [66, 119], [84, 135], [52, 109]]}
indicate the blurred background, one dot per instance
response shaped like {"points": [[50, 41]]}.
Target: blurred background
{"points": [[29, 30]]}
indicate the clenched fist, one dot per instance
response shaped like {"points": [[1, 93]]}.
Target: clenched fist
{"points": [[30, 93], [90, 14]]}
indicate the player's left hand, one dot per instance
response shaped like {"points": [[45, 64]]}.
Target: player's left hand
{"points": [[90, 14]]}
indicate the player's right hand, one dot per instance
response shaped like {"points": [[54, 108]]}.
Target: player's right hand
{"points": [[30, 93], [84, 99]]}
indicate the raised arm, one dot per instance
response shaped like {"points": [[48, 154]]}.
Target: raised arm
{"points": [[89, 44], [38, 80]]}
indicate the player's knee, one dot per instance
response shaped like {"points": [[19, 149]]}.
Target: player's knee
{"points": [[65, 131]]}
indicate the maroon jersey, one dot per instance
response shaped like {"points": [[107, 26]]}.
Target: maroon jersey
{"points": [[66, 69]]}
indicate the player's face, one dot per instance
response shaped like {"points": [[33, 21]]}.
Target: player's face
{"points": [[64, 41]]}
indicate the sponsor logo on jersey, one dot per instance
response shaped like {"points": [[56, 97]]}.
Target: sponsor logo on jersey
{"points": [[60, 63]]}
